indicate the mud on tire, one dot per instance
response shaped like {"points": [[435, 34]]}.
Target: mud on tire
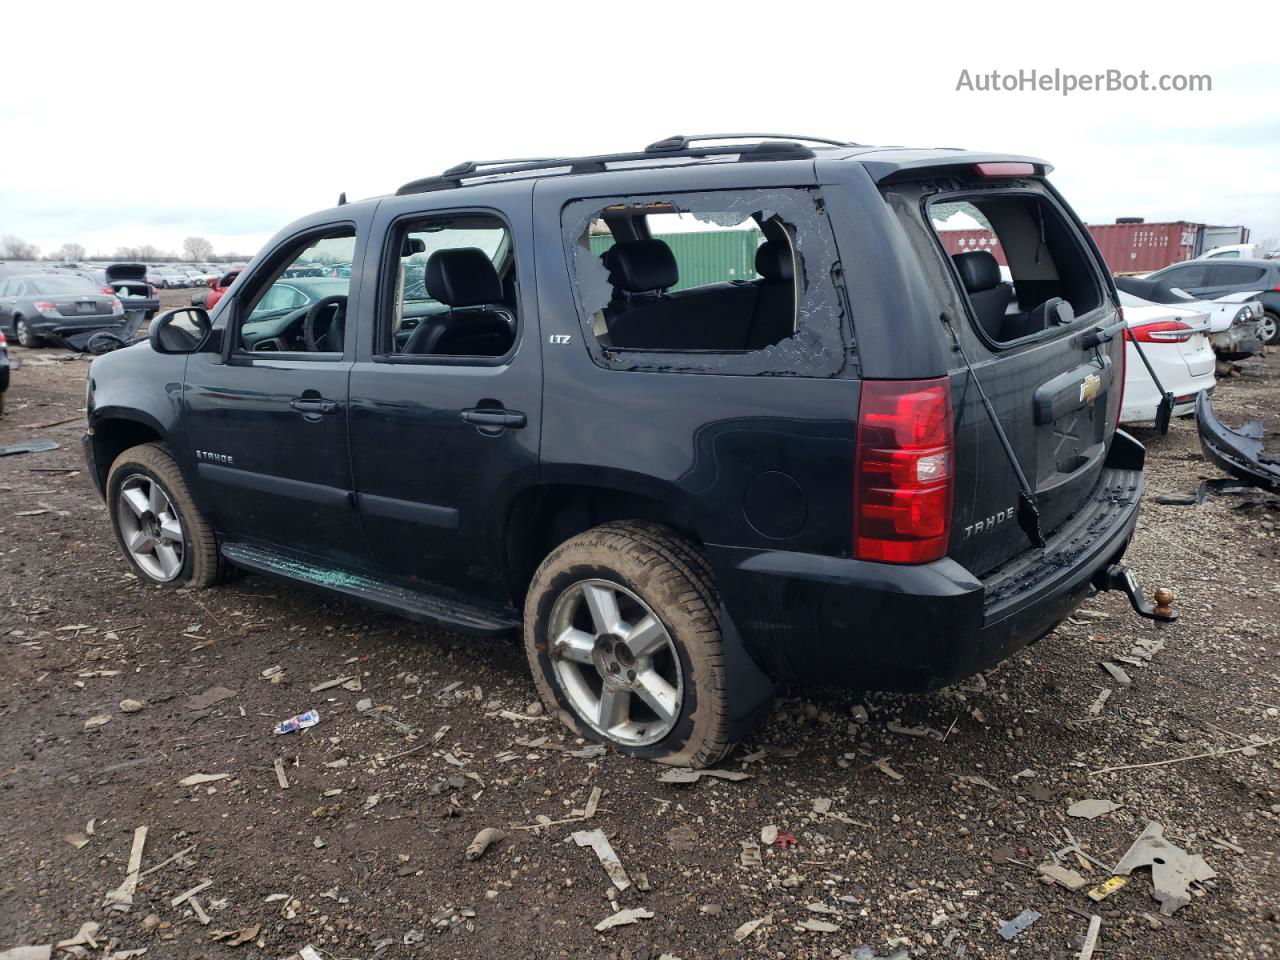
{"points": [[670, 576]]}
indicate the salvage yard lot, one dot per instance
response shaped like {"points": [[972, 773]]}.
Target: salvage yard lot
{"points": [[924, 842]]}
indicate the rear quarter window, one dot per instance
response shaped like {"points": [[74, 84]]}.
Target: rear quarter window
{"points": [[733, 282]]}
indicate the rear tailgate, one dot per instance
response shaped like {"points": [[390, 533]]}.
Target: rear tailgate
{"points": [[1056, 391]]}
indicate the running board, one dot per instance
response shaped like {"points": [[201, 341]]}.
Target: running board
{"points": [[372, 592]]}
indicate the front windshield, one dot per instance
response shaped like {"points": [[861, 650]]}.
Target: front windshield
{"points": [[67, 284]]}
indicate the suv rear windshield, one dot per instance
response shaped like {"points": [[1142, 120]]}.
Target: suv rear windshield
{"points": [[1018, 260]]}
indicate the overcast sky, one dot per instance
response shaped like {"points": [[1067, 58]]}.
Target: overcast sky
{"points": [[131, 123]]}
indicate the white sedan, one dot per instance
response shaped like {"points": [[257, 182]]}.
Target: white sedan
{"points": [[1175, 340]]}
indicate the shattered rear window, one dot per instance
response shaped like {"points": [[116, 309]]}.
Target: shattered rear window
{"points": [[734, 282]]}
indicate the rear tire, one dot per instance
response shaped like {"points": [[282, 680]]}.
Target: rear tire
{"points": [[24, 335], [1269, 328], [145, 496], [662, 656]]}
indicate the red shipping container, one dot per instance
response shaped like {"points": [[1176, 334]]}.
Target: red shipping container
{"points": [[1143, 247]]}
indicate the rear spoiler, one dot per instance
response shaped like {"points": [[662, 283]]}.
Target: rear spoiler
{"points": [[916, 165]]}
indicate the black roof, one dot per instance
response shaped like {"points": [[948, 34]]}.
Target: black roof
{"points": [[881, 162]]}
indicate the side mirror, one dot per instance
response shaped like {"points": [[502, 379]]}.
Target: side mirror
{"points": [[181, 330]]}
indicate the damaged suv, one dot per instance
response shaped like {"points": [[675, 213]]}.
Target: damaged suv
{"points": [[694, 420]]}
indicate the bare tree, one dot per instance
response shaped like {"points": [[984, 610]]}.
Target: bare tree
{"points": [[15, 248], [68, 251], [128, 253], [197, 248], [152, 253]]}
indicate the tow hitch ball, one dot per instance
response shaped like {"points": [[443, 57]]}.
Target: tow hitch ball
{"points": [[1119, 577]]}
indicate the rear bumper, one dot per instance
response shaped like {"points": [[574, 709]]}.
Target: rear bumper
{"points": [[832, 620], [1238, 341], [61, 326]]}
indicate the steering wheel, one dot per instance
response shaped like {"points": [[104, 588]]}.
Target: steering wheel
{"points": [[337, 323]]}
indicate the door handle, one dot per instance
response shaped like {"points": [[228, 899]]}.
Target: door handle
{"points": [[495, 417], [313, 405]]}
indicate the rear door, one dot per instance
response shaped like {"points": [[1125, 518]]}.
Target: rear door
{"points": [[446, 391], [1057, 400]]}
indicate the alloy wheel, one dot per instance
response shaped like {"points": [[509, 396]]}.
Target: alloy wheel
{"points": [[24, 335], [616, 663], [1267, 328], [150, 528]]}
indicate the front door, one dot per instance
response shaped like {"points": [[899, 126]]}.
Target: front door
{"points": [[267, 418], [446, 393]]}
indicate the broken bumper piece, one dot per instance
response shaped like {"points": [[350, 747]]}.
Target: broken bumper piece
{"points": [[1237, 451]]}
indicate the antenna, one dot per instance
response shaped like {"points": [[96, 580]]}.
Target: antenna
{"points": [[342, 198]]}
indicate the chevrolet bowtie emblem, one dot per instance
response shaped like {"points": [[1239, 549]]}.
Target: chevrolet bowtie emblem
{"points": [[1089, 387]]}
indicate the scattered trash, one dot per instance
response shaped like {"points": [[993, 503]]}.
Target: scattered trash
{"points": [[750, 927], [597, 841], [685, 775], [330, 684], [166, 861], [787, 840], [1117, 673], [31, 446], [77, 840], [750, 856], [905, 731], [768, 835], [883, 766], [100, 720], [210, 698], [27, 953], [821, 804], [85, 937], [274, 673], [301, 722], [235, 938], [1063, 875], [1240, 452], [198, 910], [1019, 923], [593, 801], [121, 898], [1091, 809], [183, 897], [624, 917], [196, 779], [483, 841], [1173, 870], [1107, 888], [1090, 938], [131, 706], [309, 953], [1216, 486], [817, 926], [280, 777], [1248, 748], [1104, 695]]}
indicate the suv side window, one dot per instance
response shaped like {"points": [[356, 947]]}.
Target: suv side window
{"points": [[1235, 274], [724, 281], [296, 305], [451, 289], [1185, 276]]}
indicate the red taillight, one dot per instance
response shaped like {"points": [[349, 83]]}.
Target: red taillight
{"points": [[3, 341], [1005, 169], [116, 305], [1164, 331], [45, 306], [903, 471], [106, 290]]}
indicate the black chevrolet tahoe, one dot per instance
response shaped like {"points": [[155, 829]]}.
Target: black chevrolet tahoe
{"points": [[694, 420]]}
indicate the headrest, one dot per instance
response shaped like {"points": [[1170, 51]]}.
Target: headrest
{"points": [[978, 270], [638, 266], [463, 277], [773, 261]]}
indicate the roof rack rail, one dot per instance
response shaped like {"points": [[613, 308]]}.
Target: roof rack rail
{"points": [[767, 149], [682, 141]]}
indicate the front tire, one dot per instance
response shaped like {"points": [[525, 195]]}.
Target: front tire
{"points": [[622, 634], [159, 528], [1269, 328]]}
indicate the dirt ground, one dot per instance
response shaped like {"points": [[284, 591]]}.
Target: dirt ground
{"points": [[923, 844]]}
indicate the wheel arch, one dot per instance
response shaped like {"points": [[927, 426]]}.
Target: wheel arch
{"points": [[114, 432], [543, 516]]}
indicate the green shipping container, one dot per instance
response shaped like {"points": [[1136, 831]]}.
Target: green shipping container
{"points": [[706, 256]]}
